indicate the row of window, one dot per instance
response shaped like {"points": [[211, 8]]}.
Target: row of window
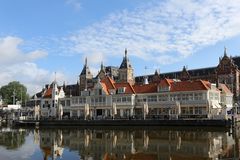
{"points": [[78, 100], [184, 110], [98, 100], [173, 97], [121, 99], [213, 96], [150, 98]]}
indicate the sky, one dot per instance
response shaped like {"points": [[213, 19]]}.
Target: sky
{"points": [[40, 38]]}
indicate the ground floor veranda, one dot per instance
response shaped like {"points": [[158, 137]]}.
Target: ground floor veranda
{"points": [[139, 112]]}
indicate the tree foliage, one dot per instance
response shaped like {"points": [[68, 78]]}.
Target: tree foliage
{"points": [[14, 88]]}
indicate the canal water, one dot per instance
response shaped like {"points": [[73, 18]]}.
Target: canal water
{"points": [[123, 143]]}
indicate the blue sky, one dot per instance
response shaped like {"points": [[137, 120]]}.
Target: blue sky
{"points": [[38, 38]]}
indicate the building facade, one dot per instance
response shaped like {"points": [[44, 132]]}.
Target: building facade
{"points": [[115, 93]]}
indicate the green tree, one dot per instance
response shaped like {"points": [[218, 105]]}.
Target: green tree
{"points": [[14, 91]]}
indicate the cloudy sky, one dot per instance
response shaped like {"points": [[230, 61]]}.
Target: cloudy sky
{"points": [[39, 38]]}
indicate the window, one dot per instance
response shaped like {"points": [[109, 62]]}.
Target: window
{"points": [[152, 98], [184, 110], [100, 92], [118, 99], [184, 97], [121, 90], [198, 96], [68, 102], [104, 99], [162, 97], [62, 103], [191, 110], [211, 96]]}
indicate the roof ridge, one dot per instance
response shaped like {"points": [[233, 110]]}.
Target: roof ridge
{"points": [[111, 81], [203, 83], [131, 88]]}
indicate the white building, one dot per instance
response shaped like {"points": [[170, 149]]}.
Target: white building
{"points": [[49, 101], [168, 99]]}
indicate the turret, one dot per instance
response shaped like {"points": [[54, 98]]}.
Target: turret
{"points": [[126, 70]]}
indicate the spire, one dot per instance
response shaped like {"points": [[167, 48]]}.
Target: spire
{"points": [[101, 65], [85, 70], [55, 76], [184, 68], [125, 63], [86, 61], [225, 51]]}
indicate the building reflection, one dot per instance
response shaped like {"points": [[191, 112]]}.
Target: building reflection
{"points": [[140, 144], [50, 143]]}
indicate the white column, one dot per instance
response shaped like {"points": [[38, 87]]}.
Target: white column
{"points": [[121, 112], [78, 113], [131, 112], [70, 113]]}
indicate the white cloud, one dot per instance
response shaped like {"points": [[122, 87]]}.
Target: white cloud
{"points": [[163, 32], [10, 52], [20, 66]]}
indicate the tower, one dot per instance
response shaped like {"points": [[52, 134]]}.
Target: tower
{"points": [[102, 73], [85, 77], [228, 73], [54, 105], [126, 70]]}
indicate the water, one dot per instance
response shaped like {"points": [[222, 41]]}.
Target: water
{"points": [[135, 143]]}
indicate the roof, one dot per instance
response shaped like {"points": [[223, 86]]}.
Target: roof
{"points": [[107, 84], [48, 93], [166, 82], [128, 87], [190, 86], [175, 75], [146, 88], [224, 88]]}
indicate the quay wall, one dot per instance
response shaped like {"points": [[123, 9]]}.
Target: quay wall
{"points": [[204, 123]]}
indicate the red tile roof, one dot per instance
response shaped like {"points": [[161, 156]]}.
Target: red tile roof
{"points": [[129, 89], [48, 93], [190, 86], [104, 87], [109, 82], [224, 88], [146, 88], [166, 82]]}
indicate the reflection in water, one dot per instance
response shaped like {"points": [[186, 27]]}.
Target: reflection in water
{"points": [[136, 144], [128, 143], [12, 138]]}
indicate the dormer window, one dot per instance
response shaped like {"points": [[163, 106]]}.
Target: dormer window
{"points": [[121, 90], [163, 88]]}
